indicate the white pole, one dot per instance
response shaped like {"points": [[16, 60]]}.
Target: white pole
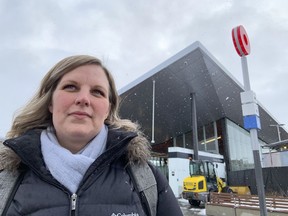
{"points": [[250, 111], [255, 148], [153, 112], [278, 131]]}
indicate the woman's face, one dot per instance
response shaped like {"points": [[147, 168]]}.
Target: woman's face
{"points": [[80, 105]]}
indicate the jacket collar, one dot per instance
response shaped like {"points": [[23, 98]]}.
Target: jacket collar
{"points": [[28, 149]]}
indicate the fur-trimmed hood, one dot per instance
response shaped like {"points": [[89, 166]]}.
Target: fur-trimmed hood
{"points": [[8, 158], [138, 148]]}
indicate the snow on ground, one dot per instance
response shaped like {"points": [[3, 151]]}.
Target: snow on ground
{"points": [[185, 206]]}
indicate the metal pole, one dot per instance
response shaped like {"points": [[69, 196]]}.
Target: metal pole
{"points": [[250, 111], [246, 79], [153, 112], [278, 131], [271, 160], [194, 126], [216, 137], [255, 148]]}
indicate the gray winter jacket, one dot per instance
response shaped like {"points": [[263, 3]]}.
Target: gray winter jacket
{"points": [[106, 189]]}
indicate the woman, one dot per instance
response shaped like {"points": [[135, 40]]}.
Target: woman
{"points": [[73, 150]]}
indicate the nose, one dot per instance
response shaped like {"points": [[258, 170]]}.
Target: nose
{"points": [[82, 99]]}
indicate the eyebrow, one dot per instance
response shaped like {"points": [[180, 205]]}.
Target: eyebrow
{"points": [[69, 81], [94, 86]]}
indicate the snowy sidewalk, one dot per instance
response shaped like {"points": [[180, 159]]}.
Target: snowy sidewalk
{"points": [[188, 210]]}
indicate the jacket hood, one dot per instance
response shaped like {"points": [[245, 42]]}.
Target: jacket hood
{"points": [[138, 148]]}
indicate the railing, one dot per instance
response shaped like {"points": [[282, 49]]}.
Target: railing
{"points": [[273, 203]]}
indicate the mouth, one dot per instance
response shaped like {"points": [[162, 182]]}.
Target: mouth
{"points": [[79, 114]]}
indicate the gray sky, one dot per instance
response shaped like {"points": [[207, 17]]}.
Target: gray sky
{"points": [[132, 37]]}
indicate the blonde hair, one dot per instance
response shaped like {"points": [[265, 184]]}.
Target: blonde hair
{"points": [[36, 113]]}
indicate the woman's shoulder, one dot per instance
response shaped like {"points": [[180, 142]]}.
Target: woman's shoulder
{"points": [[139, 149], [8, 158], [159, 176]]}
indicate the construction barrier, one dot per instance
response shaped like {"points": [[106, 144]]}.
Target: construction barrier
{"points": [[237, 205]]}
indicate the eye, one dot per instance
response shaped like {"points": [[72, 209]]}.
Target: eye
{"points": [[98, 92], [69, 87]]}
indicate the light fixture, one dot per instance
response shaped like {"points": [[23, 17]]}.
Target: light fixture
{"points": [[211, 140]]}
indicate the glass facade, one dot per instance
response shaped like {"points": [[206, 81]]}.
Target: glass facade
{"points": [[179, 141], [207, 139], [235, 141], [188, 140], [240, 149]]}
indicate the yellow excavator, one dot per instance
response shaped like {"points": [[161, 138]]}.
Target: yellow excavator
{"points": [[203, 179]]}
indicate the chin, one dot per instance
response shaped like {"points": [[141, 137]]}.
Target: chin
{"points": [[83, 133]]}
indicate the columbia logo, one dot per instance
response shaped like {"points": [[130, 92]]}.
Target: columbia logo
{"points": [[124, 214]]}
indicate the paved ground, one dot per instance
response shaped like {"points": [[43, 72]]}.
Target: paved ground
{"points": [[191, 211]]}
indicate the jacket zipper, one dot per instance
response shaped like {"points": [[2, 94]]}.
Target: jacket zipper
{"points": [[73, 203], [73, 197]]}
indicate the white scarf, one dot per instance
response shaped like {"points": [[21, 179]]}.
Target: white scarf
{"points": [[66, 167]]}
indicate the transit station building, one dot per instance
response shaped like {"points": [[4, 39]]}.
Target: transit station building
{"points": [[162, 101]]}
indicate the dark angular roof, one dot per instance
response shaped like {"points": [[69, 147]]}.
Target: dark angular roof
{"points": [[193, 69]]}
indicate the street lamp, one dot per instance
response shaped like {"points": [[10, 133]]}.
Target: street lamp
{"points": [[278, 129]]}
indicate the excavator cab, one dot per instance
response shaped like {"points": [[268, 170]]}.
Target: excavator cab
{"points": [[205, 169], [202, 180]]}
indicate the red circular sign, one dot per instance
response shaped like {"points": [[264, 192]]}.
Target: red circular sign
{"points": [[241, 41]]}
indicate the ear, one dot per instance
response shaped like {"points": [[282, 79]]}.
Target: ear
{"points": [[51, 108], [108, 111]]}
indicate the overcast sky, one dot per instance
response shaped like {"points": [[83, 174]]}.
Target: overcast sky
{"points": [[132, 37]]}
